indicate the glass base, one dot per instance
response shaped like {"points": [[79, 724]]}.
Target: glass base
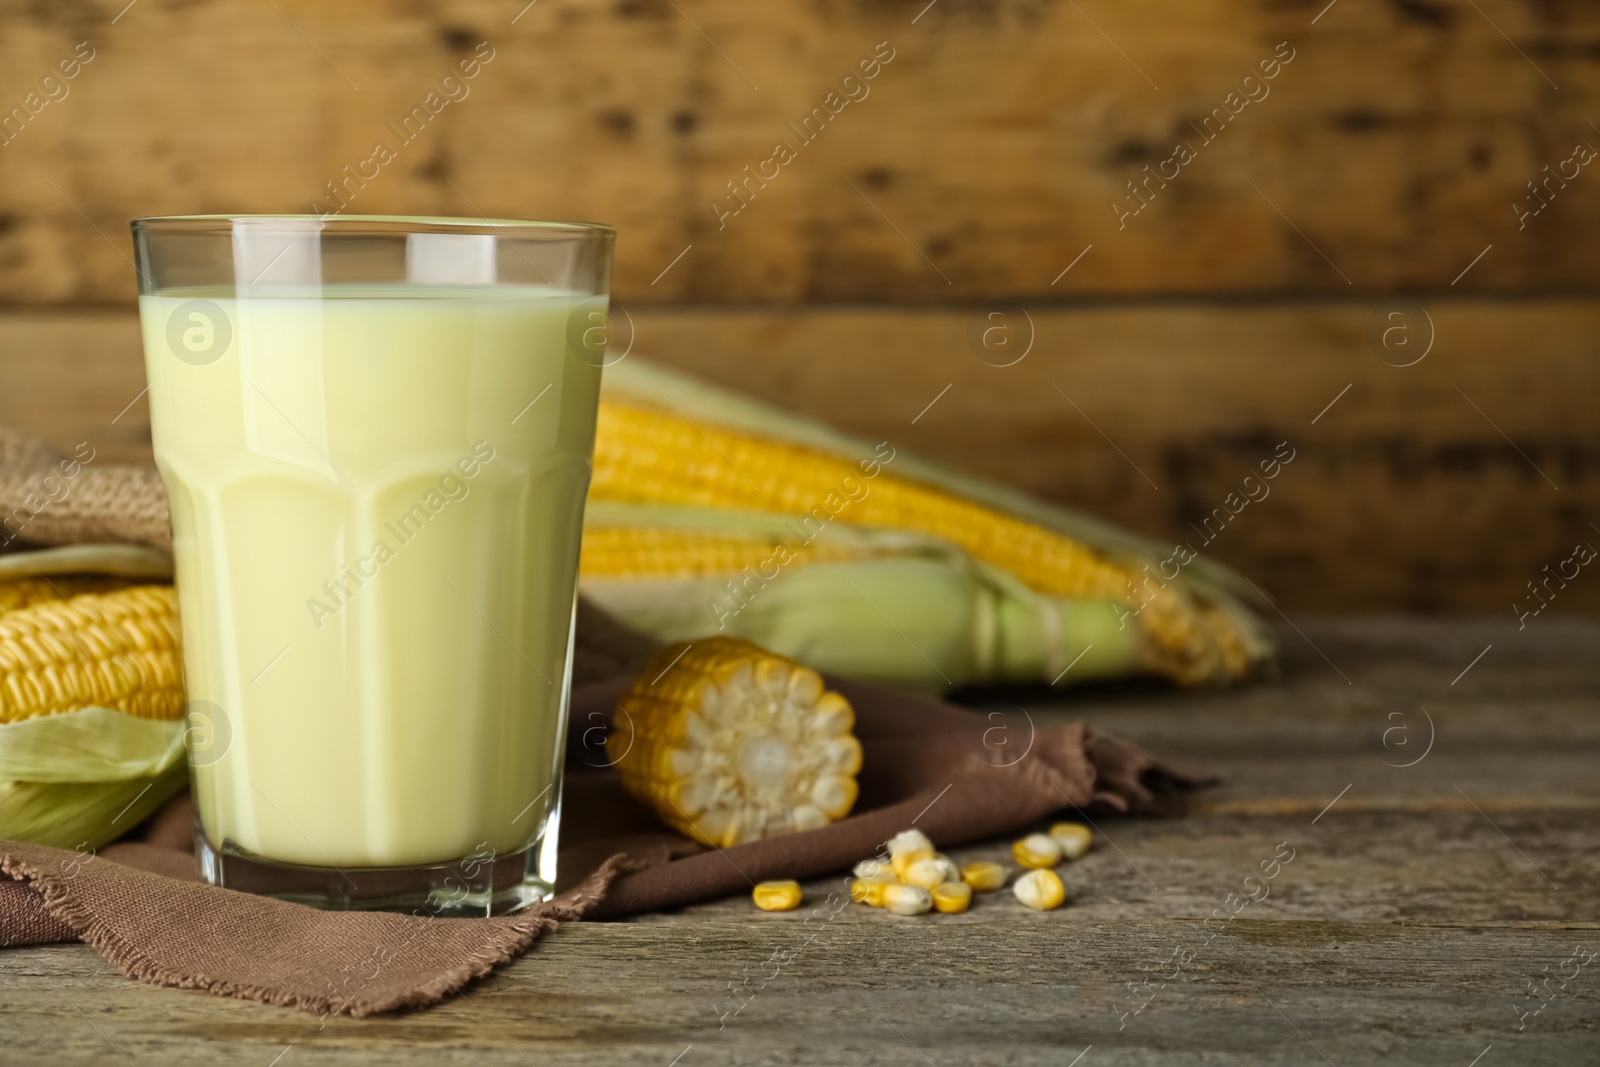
{"points": [[475, 886]]}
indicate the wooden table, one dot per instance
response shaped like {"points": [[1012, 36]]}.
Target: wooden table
{"points": [[1438, 797]]}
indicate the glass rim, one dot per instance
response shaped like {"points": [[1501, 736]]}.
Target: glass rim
{"points": [[378, 224]]}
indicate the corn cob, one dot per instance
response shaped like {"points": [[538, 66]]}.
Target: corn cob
{"points": [[649, 454], [730, 743], [23, 592], [117, 649], [642, 552]]}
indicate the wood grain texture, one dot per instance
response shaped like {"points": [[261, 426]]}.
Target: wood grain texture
{"points": [[1411, 919], [1443, 486], [1387, 154]]}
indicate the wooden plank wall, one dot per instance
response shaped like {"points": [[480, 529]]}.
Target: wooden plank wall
{"points": [[1382, 170]]}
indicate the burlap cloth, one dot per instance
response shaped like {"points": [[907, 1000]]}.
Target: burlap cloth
{"points": [[139, 904]]}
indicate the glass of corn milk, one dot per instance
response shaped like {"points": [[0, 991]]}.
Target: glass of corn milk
{"points": [[376, 434]]}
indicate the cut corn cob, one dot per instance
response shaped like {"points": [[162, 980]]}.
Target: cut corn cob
{"points": [[777, 896], [951, 898], [730, 743], [1041, 889], [1037, 851], [984, 877], [1074, 838], [117, 650]]}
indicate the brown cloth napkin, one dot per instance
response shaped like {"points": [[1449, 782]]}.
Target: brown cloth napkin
{"points": [[925, 764]]}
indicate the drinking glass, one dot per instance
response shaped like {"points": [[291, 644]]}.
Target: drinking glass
{"points": [[376, 434]]}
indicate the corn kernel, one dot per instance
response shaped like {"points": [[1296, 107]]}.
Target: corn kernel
{"points": [[874, 871], [906, 899], [926, 873], [777, 896], [952, 897], [909, 841], [984, 877], [1041, 889], [865, 892], [1037, 851], [952, 873], [908, 847], [1073, 838]]}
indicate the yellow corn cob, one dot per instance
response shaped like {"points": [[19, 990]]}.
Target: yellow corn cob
{"points": [[22, 592], [644, 552], [647, 454], [730, 743], [117, 650]]}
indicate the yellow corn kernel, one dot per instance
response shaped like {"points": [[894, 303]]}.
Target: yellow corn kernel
{"points": [[865, 892], [1074, 838], [908, 847], [984, 877], [1041, 889], [777, 896], [1037, 851], [906, 899], [952, 897], [927, 873], [118, 649], [730, 743]]}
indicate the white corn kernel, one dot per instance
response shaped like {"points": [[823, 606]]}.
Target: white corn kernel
{"points": [[1073, 838], [926, 873], [777, 896], [1041, 889], [1037, 851], [984, 877], [906, 899], [874, 871], [908, 847], [952, 897], [909, 841]]}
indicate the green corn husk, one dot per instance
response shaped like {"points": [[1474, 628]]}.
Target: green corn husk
{"points": [[917, 612], [82, 778]]}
